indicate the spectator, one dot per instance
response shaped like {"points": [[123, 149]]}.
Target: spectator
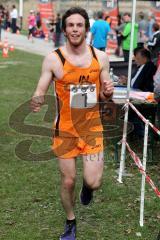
{"points": [[51, 28], [31, 23], [38, 20], [142, 29], [99, 32], [126, 36], [143, 80], [142, 77], [14, 16], [154, 44], [157, 94], [119, 29], [151, 21], [58, 30], [91, 21], [1, 19], [157, 85], [108, 19], [91, 18], [7, 23]]}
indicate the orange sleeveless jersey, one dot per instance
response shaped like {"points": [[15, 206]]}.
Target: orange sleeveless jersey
{"points": [[77, 99]]}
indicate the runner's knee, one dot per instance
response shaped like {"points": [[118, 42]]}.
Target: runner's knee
{"points": [[93, 182], [68, 183]]}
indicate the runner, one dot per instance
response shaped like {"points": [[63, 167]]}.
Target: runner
{"points": [[80, 74]]}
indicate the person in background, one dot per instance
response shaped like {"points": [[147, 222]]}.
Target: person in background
{"points": [[38, 20], [142, 77], [157, 97], [151, 21], [142, 29], [99, 31], [91, 22], [31, 23], [1, 19], [119, 29], [51, 28], [154, 44], [14, 16], [126, 36], [109, 20], [7, 23], [58, 30]]}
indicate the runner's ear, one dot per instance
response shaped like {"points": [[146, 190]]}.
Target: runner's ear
{"points": [[64, 33]]}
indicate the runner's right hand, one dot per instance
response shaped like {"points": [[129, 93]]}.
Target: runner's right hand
{"points": [[36, 103]]}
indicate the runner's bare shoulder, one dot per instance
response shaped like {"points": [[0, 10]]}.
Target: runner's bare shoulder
{"points": [[52, 62], [102, 57]]}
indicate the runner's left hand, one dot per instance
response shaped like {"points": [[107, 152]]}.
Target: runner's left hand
{"points": [[108, 88]]}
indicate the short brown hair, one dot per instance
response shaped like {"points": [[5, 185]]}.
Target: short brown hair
{"points": [[127, 14], [75, 10]]}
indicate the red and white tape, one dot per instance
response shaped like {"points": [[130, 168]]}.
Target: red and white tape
{"points": [[141, 169], [143, 118]]}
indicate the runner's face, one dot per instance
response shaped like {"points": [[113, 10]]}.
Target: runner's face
{"points": [[75, 29]]}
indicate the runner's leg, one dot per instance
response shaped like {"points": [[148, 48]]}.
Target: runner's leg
{"points": [[92, 176], [93, 170], [68, 174]]}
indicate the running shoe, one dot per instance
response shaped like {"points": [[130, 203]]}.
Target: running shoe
{"points": [[86, 195], [69, 232]]}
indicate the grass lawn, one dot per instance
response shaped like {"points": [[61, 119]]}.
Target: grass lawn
{"points": [[30, 207]]}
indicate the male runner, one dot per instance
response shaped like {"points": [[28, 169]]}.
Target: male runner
{"points": [[81, 78]]}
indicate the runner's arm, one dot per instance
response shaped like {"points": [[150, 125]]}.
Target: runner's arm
{"points": [[107, 88], [43, 84]]}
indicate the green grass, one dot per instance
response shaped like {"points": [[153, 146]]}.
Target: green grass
{"points": [[30, 206]]}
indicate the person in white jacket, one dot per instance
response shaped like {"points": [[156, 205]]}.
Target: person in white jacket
{"points": [[14, 16]]}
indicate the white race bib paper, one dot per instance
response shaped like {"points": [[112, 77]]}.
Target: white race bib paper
{"points": [[83, 96]]}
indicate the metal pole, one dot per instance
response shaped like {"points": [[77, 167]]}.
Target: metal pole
{"points": [[123, 149], [21, 13], [143, 177]]}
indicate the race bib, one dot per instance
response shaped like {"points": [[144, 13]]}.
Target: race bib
{"points": [[83, 96]]}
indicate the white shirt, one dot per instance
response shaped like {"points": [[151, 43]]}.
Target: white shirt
{"points": [[14, 13], [137, 74], [89, 35]]}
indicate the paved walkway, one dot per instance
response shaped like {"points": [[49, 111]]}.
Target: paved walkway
{"points": [[37, 46]]}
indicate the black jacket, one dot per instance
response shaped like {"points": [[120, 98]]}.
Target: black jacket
{"points": [[144, 81], [154, 46]]}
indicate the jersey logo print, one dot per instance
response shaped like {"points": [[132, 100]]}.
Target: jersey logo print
{"points": [[84, 79], [94, 70]]}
